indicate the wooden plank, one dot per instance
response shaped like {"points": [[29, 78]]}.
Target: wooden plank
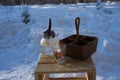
{"points": [[44, 59], [46, 77], [81, 78], [66, 68], [38, 76], [51, 59], [71, 65], [48, 64], [91, 75]]}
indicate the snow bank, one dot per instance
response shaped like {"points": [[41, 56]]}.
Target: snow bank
{"points": [[19, 42]]}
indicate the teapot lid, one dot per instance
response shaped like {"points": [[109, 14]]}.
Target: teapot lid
{"points": [[48, 33]]}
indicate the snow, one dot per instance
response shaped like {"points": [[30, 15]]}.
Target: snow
{"points": [[19, 42]]}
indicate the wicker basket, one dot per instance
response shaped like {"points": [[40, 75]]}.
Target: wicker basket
{"points": [[82, 50]]}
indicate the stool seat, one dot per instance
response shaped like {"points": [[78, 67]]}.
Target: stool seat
{"points": [[48, 64]]}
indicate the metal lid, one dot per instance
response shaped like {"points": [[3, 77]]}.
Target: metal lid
{"points": [[48, 33]]}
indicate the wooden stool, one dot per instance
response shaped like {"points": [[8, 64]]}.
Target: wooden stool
{"points": [[47, 65]]}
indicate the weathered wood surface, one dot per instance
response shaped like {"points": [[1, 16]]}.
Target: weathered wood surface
{"points": [[48, 64], [81, 78], [44, 59]]}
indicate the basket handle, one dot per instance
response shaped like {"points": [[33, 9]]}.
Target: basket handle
{"points": [[77, 23]]}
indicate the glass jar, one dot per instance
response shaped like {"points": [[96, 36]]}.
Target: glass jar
{"points": [[48, 41], [47, 45]]}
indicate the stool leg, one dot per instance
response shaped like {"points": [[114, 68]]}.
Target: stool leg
{"points": [[39, 76], [46, 77], [91, 75]]}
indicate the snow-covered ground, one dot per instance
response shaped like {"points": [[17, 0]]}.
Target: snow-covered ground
{"points": [[19, 42]]}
